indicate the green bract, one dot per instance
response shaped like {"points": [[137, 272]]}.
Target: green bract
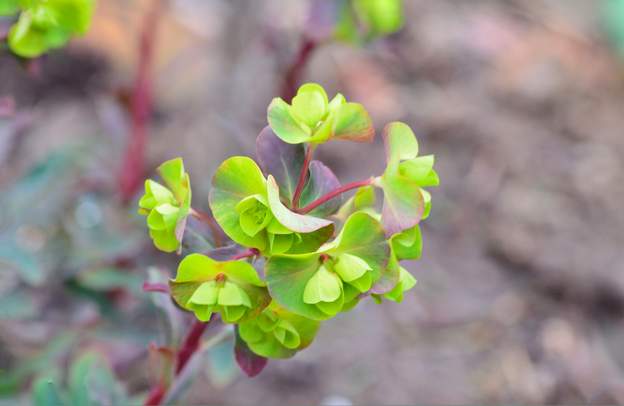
{"points": [[278, 333], [167, 207], [404, 200], [320, 284], [232, 288], [312, 118], [46, 24], [250, 211], [366, 20]]}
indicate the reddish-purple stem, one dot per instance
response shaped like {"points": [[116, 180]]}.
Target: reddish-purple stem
{"points": [[293, 74], [133, 165], [251, 252], [190, 345], [334, 193], [303, 176], [155, 287]]}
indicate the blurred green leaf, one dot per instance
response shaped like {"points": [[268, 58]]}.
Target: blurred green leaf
{"points": [[12, 380], [46, 393]]}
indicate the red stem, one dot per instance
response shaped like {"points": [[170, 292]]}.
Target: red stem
{"points": [[156, 395], [190, 345], [251, 252], [155, 287], [332, 194], [303, 176], [133, 166], [293, 74], [188, 348]]}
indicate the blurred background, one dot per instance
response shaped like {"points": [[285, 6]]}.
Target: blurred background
{"points": [[520, 294]]}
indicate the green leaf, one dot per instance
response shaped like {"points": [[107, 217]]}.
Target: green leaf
{"points": [[323, 286], [287, 277], [284, 124], [248, 361], [406, 282], [362, 236], [176, 179], [237, 178], [9, 7], [420, 170], [28, 41], [350, 267], [407, 244], [72, 15], [380, 17], [255, 216], [283, 161], [400, 143], [293, 221], [403, 205], [352, 122], [231, 294], [155, 194], [278, 333], [45, 392], [310, 104]]}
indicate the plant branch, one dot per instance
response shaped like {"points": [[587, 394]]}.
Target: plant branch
{"points": [[133, 166], [251, 252], [155, 287], [303, 176], [334, 193], [294, 71], [189, 346], [206, 218]]}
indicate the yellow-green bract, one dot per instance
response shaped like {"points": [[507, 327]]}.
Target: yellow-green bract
{"points": [[312, 118], [167, 207], [45, 25], [232, 288]]}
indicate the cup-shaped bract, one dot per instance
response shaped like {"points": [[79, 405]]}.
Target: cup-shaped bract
{"points": [[312, 118], [231, 288], [249, 210], [44, 25], [405, 175], [167, 206], [321, 284], [278, 333]]}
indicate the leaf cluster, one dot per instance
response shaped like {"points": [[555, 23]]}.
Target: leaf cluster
{"points": [[43, 25], [307, 254]]}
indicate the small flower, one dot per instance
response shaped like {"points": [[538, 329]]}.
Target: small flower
{"points": [[277, 333], [312, 118], [231, 288], [167, 207]]}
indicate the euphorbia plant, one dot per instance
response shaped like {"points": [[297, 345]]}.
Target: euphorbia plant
{"points": [[303, 254]]}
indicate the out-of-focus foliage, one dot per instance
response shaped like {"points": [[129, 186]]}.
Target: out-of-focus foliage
{"points": [[43, 25]]}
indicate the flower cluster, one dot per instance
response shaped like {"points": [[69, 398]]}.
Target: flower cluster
{"points": [[45, 24], [303, 254]]}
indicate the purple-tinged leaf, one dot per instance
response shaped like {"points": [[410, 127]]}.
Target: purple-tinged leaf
{"points": [[249, 362], [282, 160], [321, 181]]}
